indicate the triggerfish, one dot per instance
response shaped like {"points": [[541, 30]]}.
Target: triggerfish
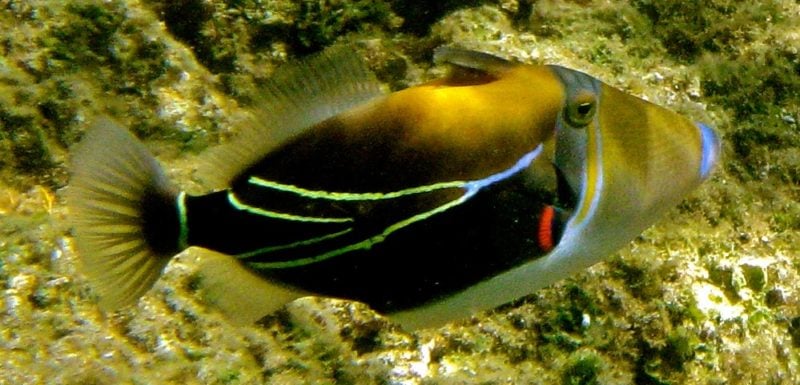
{"points": [[427, 204]]}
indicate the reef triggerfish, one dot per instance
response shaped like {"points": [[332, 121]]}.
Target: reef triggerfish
{"points": [[427, 204]]}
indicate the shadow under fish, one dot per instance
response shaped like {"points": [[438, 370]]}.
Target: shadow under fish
{"points": [[427, 204]]}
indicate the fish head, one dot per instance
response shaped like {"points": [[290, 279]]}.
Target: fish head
{"points": [[621, 162]]}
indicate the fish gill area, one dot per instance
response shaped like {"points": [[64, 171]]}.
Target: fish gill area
{"points": [[710, 295]]}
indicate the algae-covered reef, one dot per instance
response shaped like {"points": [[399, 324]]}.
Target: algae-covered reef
{"points": [[707, 296]]}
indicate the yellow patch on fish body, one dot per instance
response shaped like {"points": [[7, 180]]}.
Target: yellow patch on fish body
{"points": [[488, 120]]}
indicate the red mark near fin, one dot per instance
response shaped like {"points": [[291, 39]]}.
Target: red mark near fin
{"points": [[546, 228]]}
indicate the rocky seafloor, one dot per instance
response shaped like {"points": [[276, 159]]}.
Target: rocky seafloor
{"points": [[707, 296]]}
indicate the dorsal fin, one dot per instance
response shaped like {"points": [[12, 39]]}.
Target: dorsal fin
{"points": [[464, 59], [297, 96]]}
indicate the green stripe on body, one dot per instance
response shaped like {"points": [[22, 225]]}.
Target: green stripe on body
{"points": [[344, 196], [292, 245], [239, 205], [365, 244], [470, 189]]}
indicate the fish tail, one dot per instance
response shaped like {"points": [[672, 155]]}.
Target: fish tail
{"points": [[124, 212]]}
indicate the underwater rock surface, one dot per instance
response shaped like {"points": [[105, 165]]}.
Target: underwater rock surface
{"points": [[707, 296]]}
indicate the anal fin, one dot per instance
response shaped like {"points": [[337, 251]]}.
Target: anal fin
{"points": [[235, 291]]}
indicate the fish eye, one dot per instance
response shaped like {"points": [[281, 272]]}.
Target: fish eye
{"points": [[580, 110]]}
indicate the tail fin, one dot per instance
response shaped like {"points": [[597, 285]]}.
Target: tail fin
{"points": [[124, 214]]}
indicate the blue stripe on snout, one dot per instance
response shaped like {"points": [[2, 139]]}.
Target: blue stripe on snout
{"points": [[710, 149]]}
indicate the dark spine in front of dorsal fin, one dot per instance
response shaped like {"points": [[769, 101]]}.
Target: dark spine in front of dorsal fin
{"points": [[472, 60], [297, 96]]}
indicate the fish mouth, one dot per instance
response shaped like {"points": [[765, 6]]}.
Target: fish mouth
{"points": [[566, 197]]}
